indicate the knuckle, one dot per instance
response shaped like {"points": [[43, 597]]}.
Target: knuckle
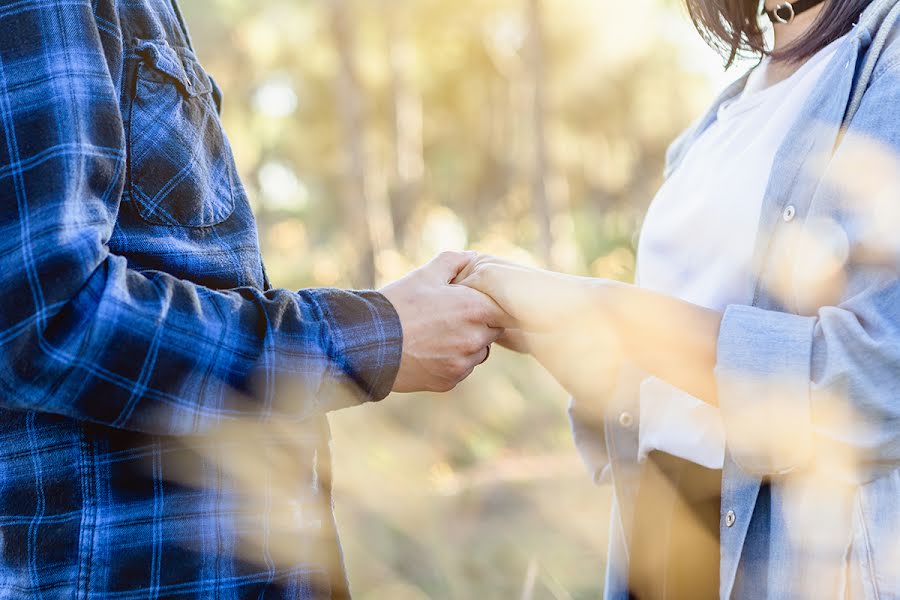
{"points": [[476, 342], [477, 306], [467, 343], [447, 256], [476, 309], [488, 314], [459, 368]]}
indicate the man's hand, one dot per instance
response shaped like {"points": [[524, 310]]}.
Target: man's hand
{"points": [[446, 328]]}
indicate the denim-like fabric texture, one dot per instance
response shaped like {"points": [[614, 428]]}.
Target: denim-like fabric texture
{"points": [[785, 362], [134, 309]]}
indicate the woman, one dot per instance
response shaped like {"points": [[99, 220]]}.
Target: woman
{"points": [[753, 432]]}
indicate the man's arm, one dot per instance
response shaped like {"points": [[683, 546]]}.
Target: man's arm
{"points": [[84, 336]]}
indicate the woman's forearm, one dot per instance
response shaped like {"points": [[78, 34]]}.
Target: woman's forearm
{"points": [[665, 336], [670, 338]]}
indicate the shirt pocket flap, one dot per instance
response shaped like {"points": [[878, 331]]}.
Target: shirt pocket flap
{"points": [[162, 62]]}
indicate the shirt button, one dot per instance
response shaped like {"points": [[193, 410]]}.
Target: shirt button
{"points": [[729, 518], [789, 213], [626, 420]]}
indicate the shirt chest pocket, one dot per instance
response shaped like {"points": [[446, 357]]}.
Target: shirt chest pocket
{"points": [[181, 171]]}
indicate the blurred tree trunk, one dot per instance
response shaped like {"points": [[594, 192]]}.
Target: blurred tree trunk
{"points": [[542, 207], [355, 189], [406, 112]]}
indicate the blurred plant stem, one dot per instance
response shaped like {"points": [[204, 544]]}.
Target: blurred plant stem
{"points": [[542, 207], [406, 113], [355, 193]]}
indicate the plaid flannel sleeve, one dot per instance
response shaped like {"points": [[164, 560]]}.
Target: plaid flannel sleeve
{"points": [[81, 333]]}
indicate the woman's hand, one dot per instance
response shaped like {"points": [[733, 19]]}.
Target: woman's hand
{"points": [[538, 300], [562, 321], [665, 336]]}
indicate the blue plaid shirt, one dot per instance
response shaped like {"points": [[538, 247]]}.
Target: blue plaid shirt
{"points": [[134, 311]]}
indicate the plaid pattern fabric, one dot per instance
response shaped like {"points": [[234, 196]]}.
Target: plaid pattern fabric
{"points": [[134, 311]]}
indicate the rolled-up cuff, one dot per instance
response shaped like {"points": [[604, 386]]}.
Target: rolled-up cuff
{"points": [[366, 339], [763, 383]]}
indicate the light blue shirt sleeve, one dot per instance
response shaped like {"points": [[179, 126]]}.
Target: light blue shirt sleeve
{"points": [[796, 388]]}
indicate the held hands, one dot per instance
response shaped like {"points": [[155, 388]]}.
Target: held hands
{"points": [[578, 328], [588, 326], [566, 322], [447, 328], [454, 307]]}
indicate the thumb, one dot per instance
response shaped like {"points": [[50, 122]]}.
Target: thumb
{"points": [[448, 264]]}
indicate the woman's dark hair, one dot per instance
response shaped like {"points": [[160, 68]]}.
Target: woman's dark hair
{"points": [[732, 27]]}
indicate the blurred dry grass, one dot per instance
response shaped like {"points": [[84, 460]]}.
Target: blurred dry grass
{"points": [[372, 134], [459, 503]]}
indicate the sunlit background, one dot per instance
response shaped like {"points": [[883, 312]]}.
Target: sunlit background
{"points": [[371, 134]]}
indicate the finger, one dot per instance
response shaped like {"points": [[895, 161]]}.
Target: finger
{"points": [[478, 358], [474, 277], [493, 315], [448, 265], [465, 272], [492, 334], [467, 374], [503, 285], [482, 280], [469, 269], [487, 354]]}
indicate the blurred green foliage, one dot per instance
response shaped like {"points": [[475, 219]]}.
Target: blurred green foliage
{"points": [[371, 134]]}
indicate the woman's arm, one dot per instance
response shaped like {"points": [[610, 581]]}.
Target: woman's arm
{"points": [[793, 389], [572, 324], [667, 337]]}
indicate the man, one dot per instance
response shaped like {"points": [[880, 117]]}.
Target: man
{"points": [[135, 311]]}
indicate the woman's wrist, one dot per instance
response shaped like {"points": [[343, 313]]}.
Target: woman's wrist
{"points": [[608, 301], [670, 338]]}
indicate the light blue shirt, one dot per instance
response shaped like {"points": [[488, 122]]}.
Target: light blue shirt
{"points": [[698, 236], [808, 371]]}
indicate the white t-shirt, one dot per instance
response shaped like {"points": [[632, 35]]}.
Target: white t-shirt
{"points": [[699, 234]]}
